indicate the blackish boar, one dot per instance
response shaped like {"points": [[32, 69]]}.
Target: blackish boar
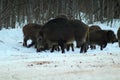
{"points": [[61, 31], [118, 35], [30, 31], [93, 28], [102, 37]]}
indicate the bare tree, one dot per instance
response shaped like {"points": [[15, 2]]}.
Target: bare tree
{"points": [[40, 11]]}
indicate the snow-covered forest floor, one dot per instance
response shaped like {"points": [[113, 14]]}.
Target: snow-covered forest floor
{"points": [[21, 63]]}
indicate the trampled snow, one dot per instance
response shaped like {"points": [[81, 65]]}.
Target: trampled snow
{"points": [[21, 63]]}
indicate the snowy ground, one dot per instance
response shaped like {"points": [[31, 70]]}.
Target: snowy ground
{"points": [[20, 63]]}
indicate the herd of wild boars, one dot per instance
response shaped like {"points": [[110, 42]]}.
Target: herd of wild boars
{"points": [[60, 33]]}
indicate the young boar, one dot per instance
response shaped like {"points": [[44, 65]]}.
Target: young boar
{"points": [[102, 37]]}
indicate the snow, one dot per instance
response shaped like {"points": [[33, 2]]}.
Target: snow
{"points": [[21, 63]]}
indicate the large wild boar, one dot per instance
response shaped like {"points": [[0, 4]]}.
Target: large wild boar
{"points": [[93, 28], [30, 31], [61, 31], [118, 35], [102, 37]]}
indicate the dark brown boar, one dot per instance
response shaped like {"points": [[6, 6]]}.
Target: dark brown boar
{"points": [[30, 31], [93, 28], [62, 31], [118, 36], [102, 37]]}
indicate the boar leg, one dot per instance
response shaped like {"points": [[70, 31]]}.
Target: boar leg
{"points": [[38, 50], [68, 47], [83, 48], [119, 43], [103, 46], [57, 48], [61, 43], [25, 41], [92, 46], [72, 46], [53, 48]]}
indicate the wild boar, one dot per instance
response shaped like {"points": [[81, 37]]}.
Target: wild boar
{"points": [[102, 37], [30, 31], [118, 36], [62, 31]]}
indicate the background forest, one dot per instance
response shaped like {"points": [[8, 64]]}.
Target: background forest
{"points": [[40, 11]]}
